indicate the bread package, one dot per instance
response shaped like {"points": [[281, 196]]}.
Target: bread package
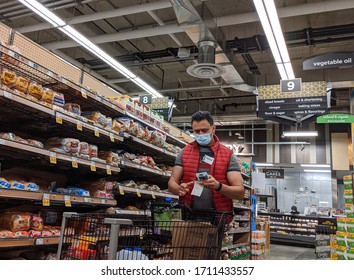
{"points": [[93, 151], [21, 84], [35, 90], [7, 136], [110, 157], [8, 78], [15, 221], [30, 186], [73, 108], [4, 184], [69, 145], [36, 222], [84, 150], [97, 118], [6, 234], [58, 99], [35, 143], [17, 185], [48, 95]]}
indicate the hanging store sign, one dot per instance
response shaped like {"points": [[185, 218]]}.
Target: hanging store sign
{"points": [[293, 85], [274, 173], [335, 118], [329, 60]]}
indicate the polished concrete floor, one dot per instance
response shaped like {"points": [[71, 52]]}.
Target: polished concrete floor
{"points": [[284, 252]]}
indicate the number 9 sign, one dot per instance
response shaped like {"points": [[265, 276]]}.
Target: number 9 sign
{"points": [[290, 85]]}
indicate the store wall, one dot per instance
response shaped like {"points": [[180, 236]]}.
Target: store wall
{"points": [[316, 187]]}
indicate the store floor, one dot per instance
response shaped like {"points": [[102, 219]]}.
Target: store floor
{"points": [[284, 252]]}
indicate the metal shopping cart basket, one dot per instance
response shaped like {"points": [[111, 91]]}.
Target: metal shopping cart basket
{"points": [[197, 236]]}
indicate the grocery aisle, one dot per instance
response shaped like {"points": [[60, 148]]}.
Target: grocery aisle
{"points": [[284, 252]]}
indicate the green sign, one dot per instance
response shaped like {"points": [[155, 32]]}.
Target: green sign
{"points": [[335, 118]]}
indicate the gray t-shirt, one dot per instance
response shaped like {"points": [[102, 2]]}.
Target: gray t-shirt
{"points": [[205, 201]]}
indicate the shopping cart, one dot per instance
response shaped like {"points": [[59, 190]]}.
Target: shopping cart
{"points": [[198, 236]]}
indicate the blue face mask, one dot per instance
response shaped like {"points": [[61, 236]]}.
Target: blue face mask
{"points": [[203, 139]]}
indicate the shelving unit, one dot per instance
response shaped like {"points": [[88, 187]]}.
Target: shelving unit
{"points": [[27, 118]]}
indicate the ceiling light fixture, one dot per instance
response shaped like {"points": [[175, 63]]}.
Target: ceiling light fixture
{"points": [[46, 14], [316, 165], [268, 16], [263, 164], [317, 170], [299, 133]]}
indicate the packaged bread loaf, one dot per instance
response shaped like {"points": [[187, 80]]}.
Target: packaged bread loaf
{"points": [[21, 84], [110, 157], [30, 186], [7, 135], [8, 78], [35, 143], [97, 118], [4, 184], [84, 150], [93, 151], [35, 90], [58, 99], [73, 108], [69, 145], [6, 234], [48, 95], [36, 222], [15, 221]]}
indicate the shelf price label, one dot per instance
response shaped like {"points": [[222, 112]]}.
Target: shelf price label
{"points": [[32, 64], [153, 195], [59, 120], [8, 95], [92, 166], [84, 93], [138, 193], [45, 199], [103, 201], [53, 158], [108, 170], [50, 73], [74, 163], [121, 190], [97, 133], [111, 136], [79, 126], [67, 200], [39, 241]]}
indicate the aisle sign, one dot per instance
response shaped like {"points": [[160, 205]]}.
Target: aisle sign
{"points": [[335, 118], [274, 173], [145, 99], [293, 85]]}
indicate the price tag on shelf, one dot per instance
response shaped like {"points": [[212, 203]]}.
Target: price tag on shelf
{"points": [[8, 95], [121, 190], [138, 193], [74, 163], [92, 166], [39, 241], [84, 93], [59, 120], [103, 201], [86, 199], [45, 199], [111, 136], [153, 195], [50, 73], [53, 158], [108, 170], [97, 133], [67, 200], [79, 126], [11, 53]]}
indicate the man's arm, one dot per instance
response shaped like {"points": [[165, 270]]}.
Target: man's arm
{"points": [[174, 184]]}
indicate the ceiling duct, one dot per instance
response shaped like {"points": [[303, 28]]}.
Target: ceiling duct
{"points": [[206, 67], [214, 59]]}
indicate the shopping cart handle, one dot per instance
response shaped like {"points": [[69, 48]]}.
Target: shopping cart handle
{"points": [[114, 221]]}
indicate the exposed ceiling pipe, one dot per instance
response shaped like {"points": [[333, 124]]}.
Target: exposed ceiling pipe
{"points": [[146, 7]]}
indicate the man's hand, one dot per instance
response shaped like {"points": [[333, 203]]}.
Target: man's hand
{"points": [[184, 188], [210, 183]]}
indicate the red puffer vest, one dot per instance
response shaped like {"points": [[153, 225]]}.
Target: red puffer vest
{"points": [[190, 162]]}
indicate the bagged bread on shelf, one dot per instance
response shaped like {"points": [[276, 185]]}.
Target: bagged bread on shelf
{"points": [[126, 123], [7, 135], [126, 155], [93, 151], [73, 108], [15, 221], [8, 78], [35, 143], [69, 145], [110, 157], [22, 84], [102, 194], [118, 126], [35, 90], [36, 222], [137, 130], [22, 234], [48, 95], [17, 185], [6, 234], [4, 184], [30, 186], [128, 183], [104, 184], [35, 233], [158, 138], [84, 149], [19, 139], [98, 118], [58, 99]]}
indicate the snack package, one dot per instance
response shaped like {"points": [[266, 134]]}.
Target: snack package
{"points": [[69, 145], [58, 99], [36, 222], [4, 184], [22, 84], [8, 78], [15, 221], [35, 90], [93, 151], [73, 108], [48, 95]]}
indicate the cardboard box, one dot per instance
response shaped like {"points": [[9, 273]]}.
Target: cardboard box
{"points": [[146, 113], [193, 240], [127, 103]]}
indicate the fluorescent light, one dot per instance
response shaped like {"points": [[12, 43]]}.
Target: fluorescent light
{"points": [[268, 16], [42, 11], [316, 165], [277, 143], [263, 164], [46, 14], [299, 133], [317, 170]]}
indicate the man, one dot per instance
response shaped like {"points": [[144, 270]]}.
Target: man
{"points": [[206, 154]]}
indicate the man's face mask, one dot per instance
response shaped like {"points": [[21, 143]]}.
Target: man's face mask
{"points": [[203, 139]]}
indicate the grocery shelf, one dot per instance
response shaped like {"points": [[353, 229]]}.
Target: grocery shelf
{"points": [[153, 194], [245, 175], [56, 198], [292, 239], [238, 230], [26, 151], [133, 212], [234, 246], [21, 242], [236, 206]]}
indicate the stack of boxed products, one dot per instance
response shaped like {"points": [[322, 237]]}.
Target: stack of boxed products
{"points": [[345, 226]]}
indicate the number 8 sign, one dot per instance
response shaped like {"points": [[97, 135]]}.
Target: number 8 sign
{"points": [[293, 85], [145, 99]]}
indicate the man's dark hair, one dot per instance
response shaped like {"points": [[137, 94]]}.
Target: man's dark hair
{"points": [[202, 115]]}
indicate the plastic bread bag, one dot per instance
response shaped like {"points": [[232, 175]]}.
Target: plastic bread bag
{"points": [[7, 135], [84, 149], [48, 95], [35, 90], [19, 139], [69, 145], [126, 155], [4, 184], [137, 130], [110, 157], [58, 99], [8, 78], [35, 143], [126, 123], [30, 186], [6, 234], [15, 221], [17, 185], [22, 84], [128, 183], [158, 138], [93, 151], [117, 126], [73, 108], [36, 222]]}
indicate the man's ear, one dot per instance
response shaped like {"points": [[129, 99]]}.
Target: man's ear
{"points": [[214, 128]]}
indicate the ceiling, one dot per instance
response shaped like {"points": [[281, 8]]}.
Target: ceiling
{"points": [[153, 39]]}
